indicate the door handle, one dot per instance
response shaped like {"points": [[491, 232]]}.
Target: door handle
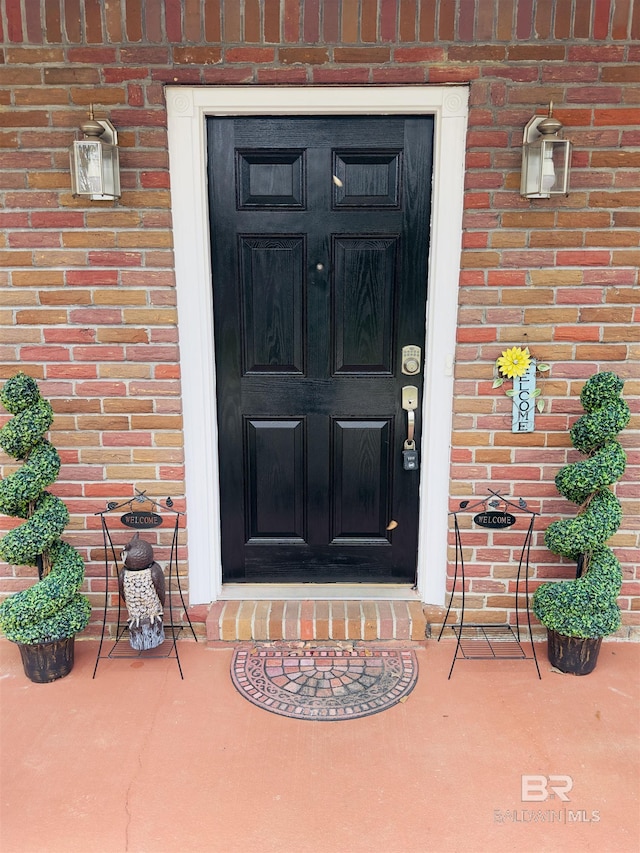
{"points": [[411, 425], [410, 404]]}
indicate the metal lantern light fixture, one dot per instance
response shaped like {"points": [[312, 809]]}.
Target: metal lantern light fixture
{"points": [[545, 158], [95, 162]]}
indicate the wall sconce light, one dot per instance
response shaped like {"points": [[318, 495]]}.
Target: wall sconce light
{"points": [[545, 158], [95, 161]]}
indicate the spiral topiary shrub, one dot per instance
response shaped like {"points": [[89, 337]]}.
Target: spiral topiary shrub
{"points": [[52, 609], [586, 607]]}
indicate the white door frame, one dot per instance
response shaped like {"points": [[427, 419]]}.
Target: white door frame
{"points": [[187, 108]]}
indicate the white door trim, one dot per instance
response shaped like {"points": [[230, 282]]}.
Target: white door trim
{"points": [[187, 108]]}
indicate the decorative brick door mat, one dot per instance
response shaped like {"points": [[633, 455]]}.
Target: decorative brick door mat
{"points": [[324, 683]]}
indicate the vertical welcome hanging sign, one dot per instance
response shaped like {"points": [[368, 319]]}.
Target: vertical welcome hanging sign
{"points": [[518, 365], [524, 400]]}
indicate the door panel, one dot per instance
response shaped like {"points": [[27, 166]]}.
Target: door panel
{"points": [[270, 179], [361, 480], [366, 179], [272, 288], [275, 479], [319, 238], [364, 306]]}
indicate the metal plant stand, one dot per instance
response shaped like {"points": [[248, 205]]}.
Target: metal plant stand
{"points": [[120, 648], [481, 641]]}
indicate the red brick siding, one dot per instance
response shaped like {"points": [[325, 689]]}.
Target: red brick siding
{"points": [[88, 302]]}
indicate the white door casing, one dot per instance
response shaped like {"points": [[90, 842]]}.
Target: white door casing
{"points": [[187, 109]]}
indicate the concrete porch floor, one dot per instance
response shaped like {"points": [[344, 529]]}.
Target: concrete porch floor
{"points": [[138, 760]]}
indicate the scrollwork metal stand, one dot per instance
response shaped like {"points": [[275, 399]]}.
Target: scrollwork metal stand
{"points": [[169, 648], [481, 641]]}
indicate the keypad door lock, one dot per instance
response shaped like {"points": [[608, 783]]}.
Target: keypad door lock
{"points": [[411, 360]]}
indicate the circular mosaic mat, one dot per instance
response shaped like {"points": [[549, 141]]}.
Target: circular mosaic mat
{"points": [[324, 684]]}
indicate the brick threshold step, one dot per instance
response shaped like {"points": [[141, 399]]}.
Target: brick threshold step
{"points": [[316, 620]]}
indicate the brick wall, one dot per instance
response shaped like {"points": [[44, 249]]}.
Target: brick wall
{"points": [[87, 290]]}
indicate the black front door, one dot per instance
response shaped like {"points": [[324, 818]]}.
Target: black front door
{"points": [[319, 240]]}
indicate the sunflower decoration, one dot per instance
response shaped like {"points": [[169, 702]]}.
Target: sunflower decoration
{"points": [[514, 363]]}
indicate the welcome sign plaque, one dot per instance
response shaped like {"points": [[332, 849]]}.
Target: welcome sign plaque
{"points": [[141, 520], [494, 519]]}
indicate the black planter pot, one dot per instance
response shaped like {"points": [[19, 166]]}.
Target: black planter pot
{"points": [[44, 662], [573, 655]]}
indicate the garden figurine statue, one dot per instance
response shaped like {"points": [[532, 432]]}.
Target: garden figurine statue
{"points": [[142, 587]]}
